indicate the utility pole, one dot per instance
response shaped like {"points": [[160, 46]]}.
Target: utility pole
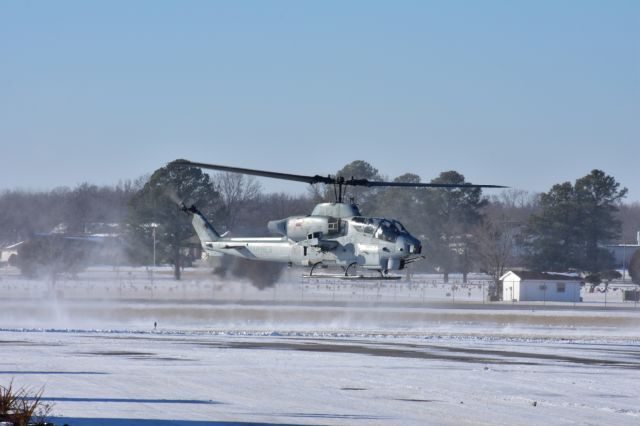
{"points": [[624, 260], [153, 232]]}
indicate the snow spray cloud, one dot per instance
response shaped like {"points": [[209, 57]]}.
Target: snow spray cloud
{"points": [[261, 274], [172, 194]]}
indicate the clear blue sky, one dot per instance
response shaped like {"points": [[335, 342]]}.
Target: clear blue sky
{"points": [[525, 94]]}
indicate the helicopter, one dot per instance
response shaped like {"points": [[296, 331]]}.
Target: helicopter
{"points": [[334, 234]]}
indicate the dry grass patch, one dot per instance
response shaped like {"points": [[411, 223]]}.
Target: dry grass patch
{"points": [[22, 406]]}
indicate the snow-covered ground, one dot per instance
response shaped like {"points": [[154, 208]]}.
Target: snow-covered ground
{"points": [[311, 353]]}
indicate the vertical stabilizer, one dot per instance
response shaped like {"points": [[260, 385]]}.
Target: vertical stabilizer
{"points": [[203, 228]]}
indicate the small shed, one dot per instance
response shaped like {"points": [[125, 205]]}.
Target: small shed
{"points": [[529, 286]]}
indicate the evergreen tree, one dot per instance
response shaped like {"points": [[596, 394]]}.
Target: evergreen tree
{"points": [[363, 196], [156, 203], [598, 196], [450, 214], [553, 233], [574, 223], [401, 203]]}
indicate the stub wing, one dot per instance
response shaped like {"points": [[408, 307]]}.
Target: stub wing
{"points": [[320, 243], [233, 246]]}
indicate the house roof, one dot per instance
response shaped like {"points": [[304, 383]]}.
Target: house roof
{"points": [[12, 246], [551, 276]]}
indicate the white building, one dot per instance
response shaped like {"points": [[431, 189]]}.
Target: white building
{"points": [[7, 252], [622, 253], [528, 286]]}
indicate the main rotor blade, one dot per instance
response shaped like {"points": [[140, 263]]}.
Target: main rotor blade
{"points": [[364, 182], [329, 179], [263, 173]]}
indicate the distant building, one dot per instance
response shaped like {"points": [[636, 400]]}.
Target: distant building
{"points": [[7, 252], [622, 252], [528, 286]]}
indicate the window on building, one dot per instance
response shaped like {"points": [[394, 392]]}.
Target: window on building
{"points": [[560, 287]]}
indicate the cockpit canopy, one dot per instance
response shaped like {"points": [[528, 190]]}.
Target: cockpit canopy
{"points": [[382, 229]]}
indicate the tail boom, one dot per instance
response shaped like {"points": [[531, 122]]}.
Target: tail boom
{"points": [[268, 249]]}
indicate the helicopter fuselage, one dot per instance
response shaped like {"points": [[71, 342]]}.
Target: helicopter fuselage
{"points": [[369, 243]]}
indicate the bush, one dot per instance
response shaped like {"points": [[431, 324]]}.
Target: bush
{"points": [[52, 255], [594, 279], [610, 275], [22, 407]]}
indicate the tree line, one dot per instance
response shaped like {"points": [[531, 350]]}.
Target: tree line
{"points": [[462, 229]]}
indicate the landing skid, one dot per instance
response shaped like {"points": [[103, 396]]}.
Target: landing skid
{"points": [[354, 277]]}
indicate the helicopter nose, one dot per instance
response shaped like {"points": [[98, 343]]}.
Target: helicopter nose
{"points": [[415, 248], [409, 245]]}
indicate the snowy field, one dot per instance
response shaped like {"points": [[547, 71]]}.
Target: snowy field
{"points": [[224, 352]]}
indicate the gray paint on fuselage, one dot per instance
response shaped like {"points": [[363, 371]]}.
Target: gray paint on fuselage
{"points": [[354, 247]]}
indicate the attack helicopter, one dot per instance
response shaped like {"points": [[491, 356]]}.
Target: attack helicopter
{"points": [[333, 235]]}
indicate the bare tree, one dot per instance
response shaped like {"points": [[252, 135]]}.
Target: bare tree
{"points": [[516, 204], [495, 240], [319, 193], [449, 216], [237, 191]]}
